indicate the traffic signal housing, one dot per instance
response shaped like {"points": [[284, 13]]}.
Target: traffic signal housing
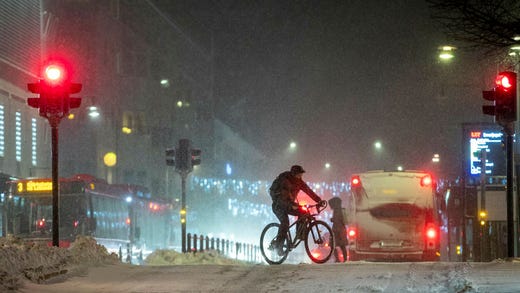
{"points": [[170, 157], [54, 89], [504, 97], [195, 157], [184, 157]]}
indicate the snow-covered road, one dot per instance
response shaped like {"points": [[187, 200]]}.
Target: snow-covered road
{"points": [[497, 276]]}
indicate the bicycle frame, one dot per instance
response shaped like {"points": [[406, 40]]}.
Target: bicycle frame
{"points": [[305, 220]]}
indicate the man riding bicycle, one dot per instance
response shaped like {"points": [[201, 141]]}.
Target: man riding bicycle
{"points": [[284, 191]]}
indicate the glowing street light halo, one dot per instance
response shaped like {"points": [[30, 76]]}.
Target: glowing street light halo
{"points": [[446, 52]]}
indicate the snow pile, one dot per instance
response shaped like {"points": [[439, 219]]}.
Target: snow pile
{"points": [[39, 263], [171, 257]]}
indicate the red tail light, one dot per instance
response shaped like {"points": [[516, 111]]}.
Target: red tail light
{"points": [[355, 181], [426, 181], [351, 232], [431, 232], [41, 223]]}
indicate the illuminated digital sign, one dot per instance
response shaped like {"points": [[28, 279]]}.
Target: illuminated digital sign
{"points": [[31, 186], [488, 138]]}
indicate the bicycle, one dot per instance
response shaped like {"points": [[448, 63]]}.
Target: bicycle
{"points": [[318, 237]]}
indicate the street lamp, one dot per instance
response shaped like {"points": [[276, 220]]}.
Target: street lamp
{"points": [[165, 83], [110, 160], [446, 53], [93, 112], [378, 145]]}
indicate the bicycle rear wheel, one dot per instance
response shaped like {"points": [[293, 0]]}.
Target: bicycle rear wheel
{"points": [[269, 252], [319, 243]]}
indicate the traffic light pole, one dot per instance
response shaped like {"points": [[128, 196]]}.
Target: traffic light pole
{"points": [[54, 122], [54, 103], [183, 210], [517, 152], [509, 131], [184, 157]]}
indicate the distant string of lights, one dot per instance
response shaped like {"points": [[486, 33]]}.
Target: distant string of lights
{"points": [[251, 198], [258, 188]]}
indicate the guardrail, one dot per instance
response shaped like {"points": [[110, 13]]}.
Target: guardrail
{"points": [[237, 250]]}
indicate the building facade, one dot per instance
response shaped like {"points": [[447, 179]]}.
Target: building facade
{"points": [[24, 136], [151, 83]]}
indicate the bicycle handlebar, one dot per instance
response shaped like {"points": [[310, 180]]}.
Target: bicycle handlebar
{"points": [[319, 208]]}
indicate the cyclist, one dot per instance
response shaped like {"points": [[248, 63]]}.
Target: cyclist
{"points": [[283, 191]]}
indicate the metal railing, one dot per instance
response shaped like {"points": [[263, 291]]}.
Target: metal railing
{"points": [[235, 250]]}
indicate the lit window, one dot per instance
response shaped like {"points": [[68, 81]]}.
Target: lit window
{"points": [[34, 138], [18, 136], [2, 131]]}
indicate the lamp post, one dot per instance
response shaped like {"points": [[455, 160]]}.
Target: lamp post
{"points": [[110, 160], [377, 156]]}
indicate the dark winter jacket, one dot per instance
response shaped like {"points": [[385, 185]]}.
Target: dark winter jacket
{"points": [[285, 188], [338, 227]]}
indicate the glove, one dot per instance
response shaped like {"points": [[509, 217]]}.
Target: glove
{"points": [[322, 203]]}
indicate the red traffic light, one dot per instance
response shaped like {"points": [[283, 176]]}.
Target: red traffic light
{"points": [[504, 97], [56, 72], [53, 73], [504, 80], [54, 89]]}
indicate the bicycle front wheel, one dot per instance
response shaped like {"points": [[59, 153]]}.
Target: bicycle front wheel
{"points": [[319, 243], [269, 251]]}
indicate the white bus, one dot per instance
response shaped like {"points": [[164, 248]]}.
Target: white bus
{"points": [[392, 216]]}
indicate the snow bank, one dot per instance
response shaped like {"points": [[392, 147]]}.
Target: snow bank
{"points": [[171, 257], [39, 263]]}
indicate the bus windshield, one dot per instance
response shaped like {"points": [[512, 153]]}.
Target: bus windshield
{"points": [[31, 216]]}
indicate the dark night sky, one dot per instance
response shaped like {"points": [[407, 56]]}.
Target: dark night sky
{"points": [[337, 75]]}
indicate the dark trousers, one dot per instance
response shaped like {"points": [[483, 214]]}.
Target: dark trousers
{"points": [[282, 211]]}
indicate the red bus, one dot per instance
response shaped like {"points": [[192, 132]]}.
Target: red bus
{"points": [[118, 216]]}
